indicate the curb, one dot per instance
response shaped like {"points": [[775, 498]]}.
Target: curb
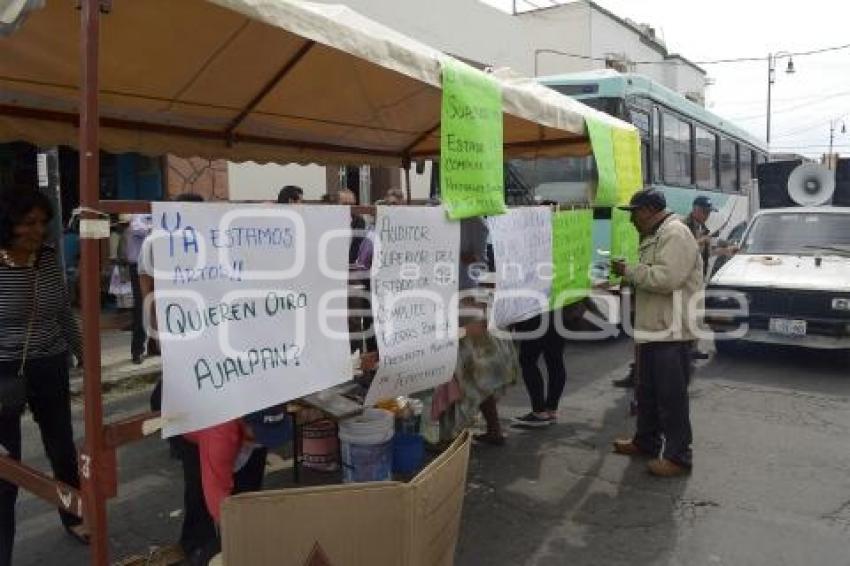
{"points": [[115, 379]]}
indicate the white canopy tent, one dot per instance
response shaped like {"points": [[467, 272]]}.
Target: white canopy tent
{"points": [[262, 80]]}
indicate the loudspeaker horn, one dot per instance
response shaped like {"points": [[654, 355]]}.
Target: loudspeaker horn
{"points": [[811, 184]]}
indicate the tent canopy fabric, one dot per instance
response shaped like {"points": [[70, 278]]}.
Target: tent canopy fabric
{"points": [[261, 80]]}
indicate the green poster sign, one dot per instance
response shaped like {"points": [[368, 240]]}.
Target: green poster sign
{"points": [[627, 158], [572, 252], [624, 239], [471, 140], [602, 141]]}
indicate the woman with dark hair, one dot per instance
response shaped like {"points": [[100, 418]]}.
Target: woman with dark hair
{"points": [[290, 194], [38, 331]]}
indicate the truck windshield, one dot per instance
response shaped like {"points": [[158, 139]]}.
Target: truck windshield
{"points": [[799, 233]]}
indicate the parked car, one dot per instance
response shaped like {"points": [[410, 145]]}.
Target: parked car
{"points": [[788, 284]]}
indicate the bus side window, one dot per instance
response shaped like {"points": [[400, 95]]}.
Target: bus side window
{"points": [[728, 165], [706, 159], [677, 151], [641, 120], [746, 163], [656, 145]]}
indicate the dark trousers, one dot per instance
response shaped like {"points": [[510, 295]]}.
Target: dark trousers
{"points": [[137, 344], [663, 416], [49, 400], [199, 536], [551, 345]]}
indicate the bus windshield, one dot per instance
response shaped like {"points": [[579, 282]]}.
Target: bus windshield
{"points": [[613, 106], [564, 179], [799, 233]]}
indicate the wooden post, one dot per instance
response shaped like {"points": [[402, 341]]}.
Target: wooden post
{"points": [[91, 459]]}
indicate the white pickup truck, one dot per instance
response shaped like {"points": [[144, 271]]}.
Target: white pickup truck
{"points": [[789, 284]]}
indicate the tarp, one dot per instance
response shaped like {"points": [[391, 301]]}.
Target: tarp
{"points": [[261, 80]]}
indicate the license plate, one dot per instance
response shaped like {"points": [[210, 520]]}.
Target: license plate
{"points": [[787, 327]]}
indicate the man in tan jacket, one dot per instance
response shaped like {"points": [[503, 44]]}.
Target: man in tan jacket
{"points": [[668, 280]]}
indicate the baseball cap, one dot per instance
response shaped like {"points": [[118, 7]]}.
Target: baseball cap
{"points": [[704, 202], [649, 198], [272, 427]]}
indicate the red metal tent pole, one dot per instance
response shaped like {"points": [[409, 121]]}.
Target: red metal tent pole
{"points": [[91, 459]]}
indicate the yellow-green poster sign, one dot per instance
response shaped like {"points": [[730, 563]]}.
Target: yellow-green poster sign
{"points": [[603, 153], [471, 138], [624, 238], [616, 152], [627, 161], [572, 252]]}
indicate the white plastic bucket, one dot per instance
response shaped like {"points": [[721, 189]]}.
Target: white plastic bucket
{"points": [[366, 446]]}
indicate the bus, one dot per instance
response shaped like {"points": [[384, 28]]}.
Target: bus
{"points": [[686, 151]]}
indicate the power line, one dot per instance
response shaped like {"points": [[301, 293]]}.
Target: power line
{"points": [[809, 128], [794, 54], [760, 101], [734, 60], [801, 130], [819, 100], [817, 145], [711, 62], [823, 50], [573, 55]]}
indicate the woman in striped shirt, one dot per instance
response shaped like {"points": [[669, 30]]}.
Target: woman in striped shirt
{"points": [[35, 310]]}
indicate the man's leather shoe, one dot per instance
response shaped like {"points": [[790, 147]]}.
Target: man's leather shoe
{"points": [[667, 469], [627, 447]]}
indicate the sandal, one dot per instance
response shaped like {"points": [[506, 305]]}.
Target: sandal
{"points": [[78, 533], [489, 438]]}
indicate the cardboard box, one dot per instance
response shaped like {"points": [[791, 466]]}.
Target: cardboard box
{"points": [[366, 524]]}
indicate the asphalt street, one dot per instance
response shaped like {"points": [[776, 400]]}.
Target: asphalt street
{"points": [[769, 487]]}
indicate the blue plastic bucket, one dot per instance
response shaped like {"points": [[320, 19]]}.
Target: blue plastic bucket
{"points": [[366, 446], [408, 453]]}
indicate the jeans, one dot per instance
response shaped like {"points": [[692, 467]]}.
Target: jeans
{"points": [[49, 400], [663, 419], [551, 345]]}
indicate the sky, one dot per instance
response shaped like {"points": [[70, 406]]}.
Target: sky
{"points": [[804, 103]]}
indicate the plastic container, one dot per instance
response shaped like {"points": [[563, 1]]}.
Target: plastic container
{"points": [[319, 446], [408, 453], [366, 446], [408, 421]]}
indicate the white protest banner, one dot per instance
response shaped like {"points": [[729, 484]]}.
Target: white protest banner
{"points": [[238, 296], [522, 250], [414, 296]]}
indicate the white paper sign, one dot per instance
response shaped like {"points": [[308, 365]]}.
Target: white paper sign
{"points": [[239, 291], [414, 295], [522, 250]]}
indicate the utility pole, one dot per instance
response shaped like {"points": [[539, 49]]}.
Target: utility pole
{"points": [[832, 124], [831, 139], [771, 78]]}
